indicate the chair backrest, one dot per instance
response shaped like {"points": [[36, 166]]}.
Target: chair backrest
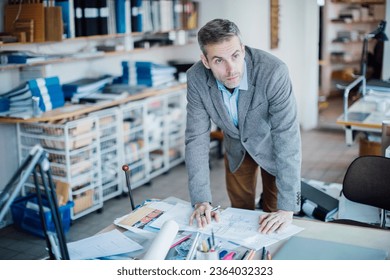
{"points": [[367, 181]]}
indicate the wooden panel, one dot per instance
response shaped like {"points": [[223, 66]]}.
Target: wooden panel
{"points": [[274, 23], [53, 24], [36, 12]]}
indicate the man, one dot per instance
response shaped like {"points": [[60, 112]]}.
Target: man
{"points": [[248, 94]]}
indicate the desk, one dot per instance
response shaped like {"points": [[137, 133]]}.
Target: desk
{"points": [[363, 116], [346, 234]]}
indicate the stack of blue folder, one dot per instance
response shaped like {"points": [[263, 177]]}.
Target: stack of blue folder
{"points": [[19, 100], [152, 74]]}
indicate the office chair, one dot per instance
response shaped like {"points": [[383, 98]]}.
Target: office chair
{"points": [[367, 181]]}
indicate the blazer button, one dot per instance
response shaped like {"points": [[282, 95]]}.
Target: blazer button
{"points": [[245, 140]]}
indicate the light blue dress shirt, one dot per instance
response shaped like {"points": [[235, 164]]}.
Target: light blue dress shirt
{"points": [[231, 99]]}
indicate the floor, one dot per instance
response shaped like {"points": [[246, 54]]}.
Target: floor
{"points": [[325, 158]]}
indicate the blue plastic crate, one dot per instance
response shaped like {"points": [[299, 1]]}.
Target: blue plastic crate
{"points": [[29, 220]]}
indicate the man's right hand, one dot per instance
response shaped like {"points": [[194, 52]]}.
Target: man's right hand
{"points": [[203, 214]]}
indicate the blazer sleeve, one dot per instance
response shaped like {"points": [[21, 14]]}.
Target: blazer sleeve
{"points": [[286, 139], [197, 142]]}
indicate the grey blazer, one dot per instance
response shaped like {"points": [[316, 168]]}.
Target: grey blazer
{"points": [[268, 127]]}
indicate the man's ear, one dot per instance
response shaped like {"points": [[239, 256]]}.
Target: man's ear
{"points": [[204, 61]]}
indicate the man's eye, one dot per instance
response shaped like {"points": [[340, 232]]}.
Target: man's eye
{"points": [[218, 61]]}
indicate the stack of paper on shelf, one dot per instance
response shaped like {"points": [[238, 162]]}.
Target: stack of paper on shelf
{"points": [[85, 86], [152, 74]]}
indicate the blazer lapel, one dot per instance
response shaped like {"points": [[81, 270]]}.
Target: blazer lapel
{"points": [[244, 102], [246, 96]]}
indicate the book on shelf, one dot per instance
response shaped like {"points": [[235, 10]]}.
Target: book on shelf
{"points": [[120, 16], [79, 21], [103, 21], [95, 97], [68, 17], [24, 58], [136, 16], [318, 204], [85, 85], [91, 17], [155, 82]]}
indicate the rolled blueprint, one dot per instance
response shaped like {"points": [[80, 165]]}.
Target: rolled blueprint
{"points": [[160, 245]]}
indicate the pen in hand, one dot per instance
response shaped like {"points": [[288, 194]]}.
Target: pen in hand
{"points": [[212, 210]]}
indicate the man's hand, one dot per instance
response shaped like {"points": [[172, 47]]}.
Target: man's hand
{"points": [[203, 214], [275, 221]]}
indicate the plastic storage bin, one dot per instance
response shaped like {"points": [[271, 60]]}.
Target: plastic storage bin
{"points": [[28, 219]]}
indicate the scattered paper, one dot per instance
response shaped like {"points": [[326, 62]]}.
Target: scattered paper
{"points": [[105, 244]]}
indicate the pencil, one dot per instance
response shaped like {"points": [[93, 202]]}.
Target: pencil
{"points": [[204, 246], [250, 255]]}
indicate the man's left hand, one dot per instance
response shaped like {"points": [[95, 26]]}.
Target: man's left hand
{"points": [[275, 221]]}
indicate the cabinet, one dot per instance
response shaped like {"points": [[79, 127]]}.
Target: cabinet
{"points": [[153, 135], [344, 25], [89, 162], [74, 153], [87, 154]]}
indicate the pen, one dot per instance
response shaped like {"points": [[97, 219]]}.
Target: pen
{"points": [[212, 210], [263, 254], [209, 242], [245, 255]]}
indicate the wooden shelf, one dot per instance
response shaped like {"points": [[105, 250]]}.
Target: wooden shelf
{"points": [[75, 110], [70, 58], [341, 21]]}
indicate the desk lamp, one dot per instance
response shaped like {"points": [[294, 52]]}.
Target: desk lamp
{"points": [[37, 160], [378, 34]]}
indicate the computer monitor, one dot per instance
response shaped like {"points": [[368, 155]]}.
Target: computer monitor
{"points": [[386, 138]]}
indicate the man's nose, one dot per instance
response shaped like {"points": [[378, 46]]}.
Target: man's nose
{"points": [[229, 67]]}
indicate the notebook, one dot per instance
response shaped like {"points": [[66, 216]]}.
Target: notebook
{"points": [[301, 248]]}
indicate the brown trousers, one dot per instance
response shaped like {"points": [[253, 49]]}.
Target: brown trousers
{"points": [[241, 186]]}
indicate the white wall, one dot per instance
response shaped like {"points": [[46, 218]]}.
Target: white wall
{"points": [[298, 41]]}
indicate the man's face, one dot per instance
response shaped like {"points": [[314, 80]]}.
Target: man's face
{"points": [[226, 61]]}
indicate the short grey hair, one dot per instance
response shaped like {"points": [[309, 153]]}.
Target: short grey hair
{"points": [[217, 31]]}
